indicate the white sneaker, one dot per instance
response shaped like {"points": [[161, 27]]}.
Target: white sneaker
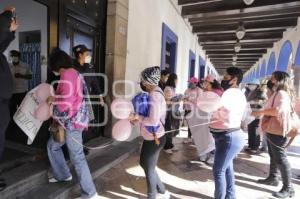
{"points": [[166, 195], [211, 160], [53, 180], [188, 140], [96, 196], [169, 151]]}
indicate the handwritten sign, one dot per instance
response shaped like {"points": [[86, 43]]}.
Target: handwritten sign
{"points": [[24, 117]]}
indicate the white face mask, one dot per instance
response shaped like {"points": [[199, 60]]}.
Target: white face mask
{"points": [[88, 59], [56, 73], [252, 87]]}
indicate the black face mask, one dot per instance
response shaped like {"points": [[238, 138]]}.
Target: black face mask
{"points": [[143, 87], [271, 85], [225, 84]]}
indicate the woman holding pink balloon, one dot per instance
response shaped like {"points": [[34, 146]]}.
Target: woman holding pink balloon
{"points": [[70, 110], [151, 147]]}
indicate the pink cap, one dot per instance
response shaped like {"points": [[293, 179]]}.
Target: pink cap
{"points": [[210, 78], [193, 80]]}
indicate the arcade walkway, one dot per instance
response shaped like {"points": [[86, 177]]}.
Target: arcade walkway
{"points": [[187, 178]]}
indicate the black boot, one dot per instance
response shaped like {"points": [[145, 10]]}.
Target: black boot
{"points": [[285, 192], [2, 185], [269, 181]]}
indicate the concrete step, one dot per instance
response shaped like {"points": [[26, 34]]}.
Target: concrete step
{"points": [[99, 162]]}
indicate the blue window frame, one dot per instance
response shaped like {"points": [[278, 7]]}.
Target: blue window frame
{"points": [[201, 68], [192, 62], [168, 49]]}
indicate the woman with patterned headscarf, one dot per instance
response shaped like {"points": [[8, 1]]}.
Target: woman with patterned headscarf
{"points": [[154, 141]]}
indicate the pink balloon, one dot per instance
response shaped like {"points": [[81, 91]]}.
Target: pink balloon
{"points": [[209, 102], [44, 91], [43, 112], [121, 108], [122, 130]]}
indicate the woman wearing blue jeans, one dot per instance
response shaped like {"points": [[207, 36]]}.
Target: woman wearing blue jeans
{"points": [[71, 111], [229, 138]]}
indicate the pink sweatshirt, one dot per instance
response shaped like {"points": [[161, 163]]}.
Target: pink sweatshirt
{"points": [[69, 92], [157, 115], [224, 119], [282, 103]]}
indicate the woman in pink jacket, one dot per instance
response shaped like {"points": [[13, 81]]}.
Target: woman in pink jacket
{"points": [[153, 141], [71, 111]]}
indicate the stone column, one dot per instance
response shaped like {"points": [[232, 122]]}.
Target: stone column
{"points": [[297, 79], [116, 50]]}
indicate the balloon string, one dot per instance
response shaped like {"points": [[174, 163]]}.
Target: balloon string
{"points": [[201, 124], [93, 148], [111, 142]]}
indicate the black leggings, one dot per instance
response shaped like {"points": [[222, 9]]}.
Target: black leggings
{"points": [[148, 160], [279, 160]]}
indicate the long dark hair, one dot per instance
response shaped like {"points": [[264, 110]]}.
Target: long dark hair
{"points": [[216, 85], [172, 80], [284, 83], [59, 59]]}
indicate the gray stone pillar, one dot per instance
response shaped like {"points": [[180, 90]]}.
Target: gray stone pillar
{"points": [[116, 50]]}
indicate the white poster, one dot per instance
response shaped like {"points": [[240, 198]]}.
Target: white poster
{"points": [[24, 117]]}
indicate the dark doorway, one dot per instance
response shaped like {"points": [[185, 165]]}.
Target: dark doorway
{"points": [[169, 49]]}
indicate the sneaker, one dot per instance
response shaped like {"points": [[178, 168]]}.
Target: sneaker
{"points": [[169, 151], [175, 149], [166, 195], [96, 196], [53, 180], [203, 158], [210, 160], [187, 141]]}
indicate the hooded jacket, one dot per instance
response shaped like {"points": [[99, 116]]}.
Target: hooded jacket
{"points": [[6, 36]]}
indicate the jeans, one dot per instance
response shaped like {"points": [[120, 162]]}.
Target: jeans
{"points": [[228, 145], [148, 161], [4, 121], [278, 159], [59, 165], [253, 135]]}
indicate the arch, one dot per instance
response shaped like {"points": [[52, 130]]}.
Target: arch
{"points": [[271, 64], [263, 69], [284, 56], [257, 73], [297, 57]]}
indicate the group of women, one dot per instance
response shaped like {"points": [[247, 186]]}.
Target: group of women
{"points": [[223, 128]]}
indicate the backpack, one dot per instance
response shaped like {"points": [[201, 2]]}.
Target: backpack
{"points": [[141, 105]]}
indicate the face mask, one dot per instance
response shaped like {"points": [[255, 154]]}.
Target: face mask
{"points": [[252, 87], [56, 73], [192, 86], [88, 59], [15, 60], [226, 84], [143, 87], [271, 85]]}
